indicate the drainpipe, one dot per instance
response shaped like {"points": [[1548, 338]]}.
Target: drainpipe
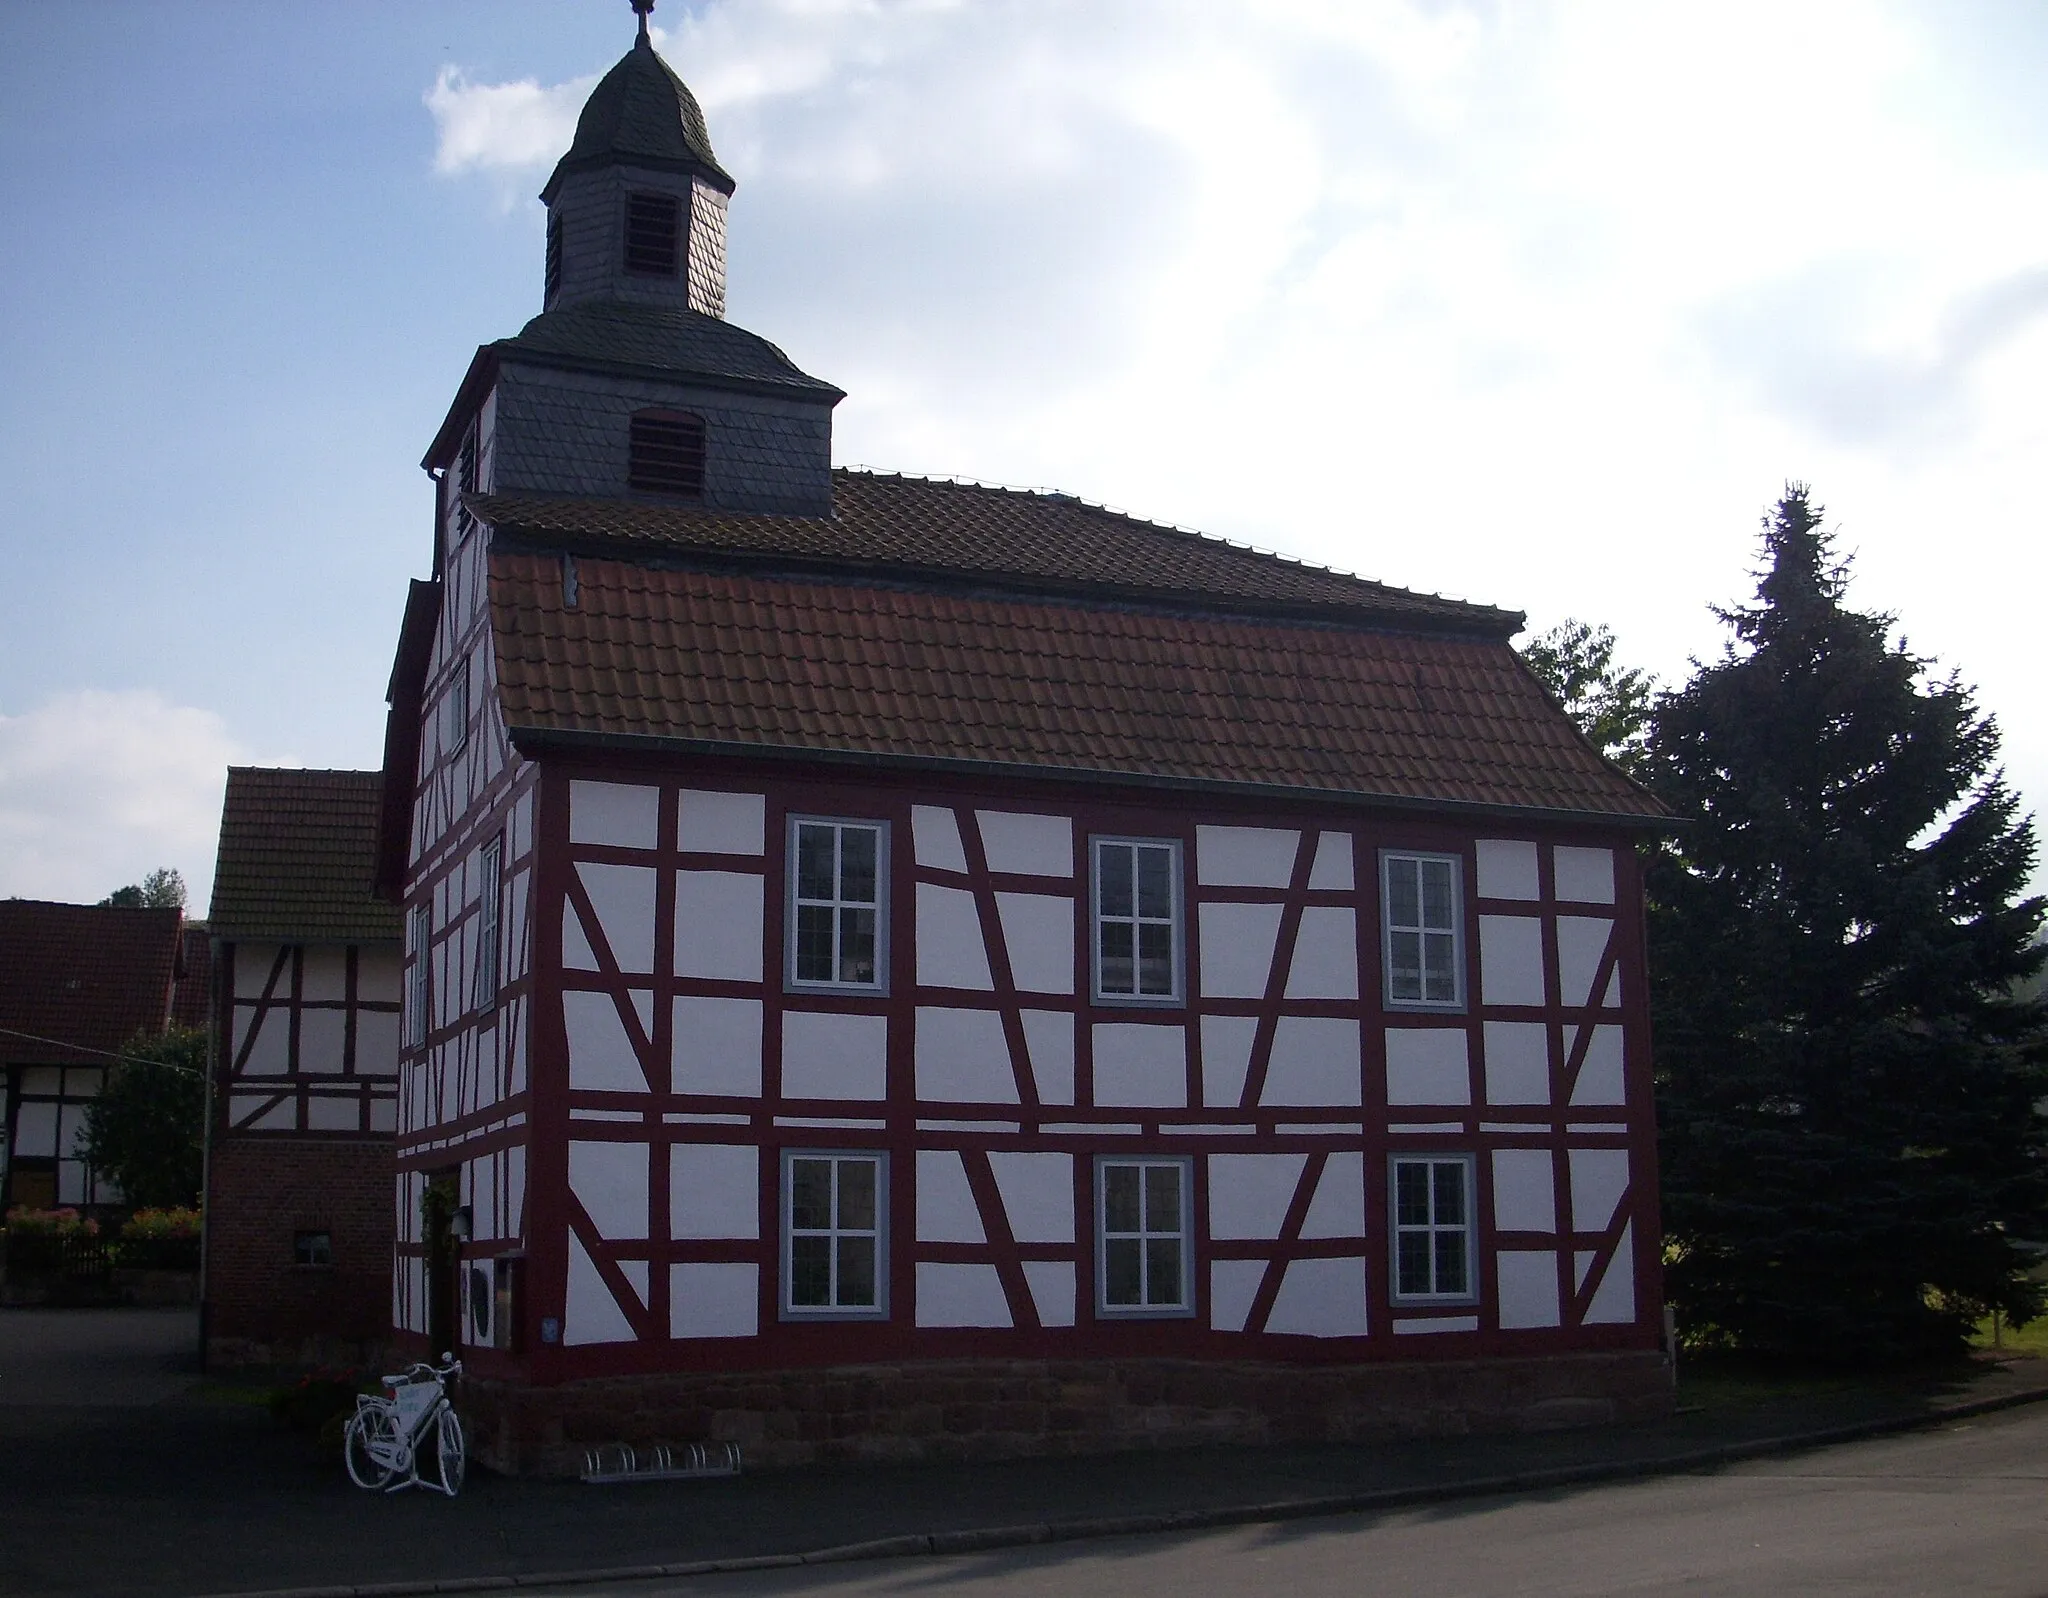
{"points": [[206, 1143]]}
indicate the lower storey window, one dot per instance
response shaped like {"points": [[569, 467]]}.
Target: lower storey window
{"points": [[1433, 1228], [833, 1209], [312, 1248], [1142, 1212]]}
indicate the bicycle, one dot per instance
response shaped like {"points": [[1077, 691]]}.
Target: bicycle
{"points": [[382, 1441]]}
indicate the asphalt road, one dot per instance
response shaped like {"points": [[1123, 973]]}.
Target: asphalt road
{"points": [[1960, 1510]]}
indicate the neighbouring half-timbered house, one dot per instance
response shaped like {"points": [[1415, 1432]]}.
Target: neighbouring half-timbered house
{"points": [[78, 983], [303, 1105], [1076, 981]]}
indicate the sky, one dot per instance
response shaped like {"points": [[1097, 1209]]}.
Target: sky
{"points": [[1537, 304]]}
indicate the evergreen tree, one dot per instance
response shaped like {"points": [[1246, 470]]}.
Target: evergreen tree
{"points": [[1610, 703], [1847, 1086]]}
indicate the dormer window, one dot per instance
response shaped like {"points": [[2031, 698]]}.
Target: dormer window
{"points": [[665, 453], [554, 266], [652, 233]]}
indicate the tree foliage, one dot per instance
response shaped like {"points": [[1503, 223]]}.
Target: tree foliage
{"points": [[1847, 1083], [162, 889], [1610, 703], [146, 1128]]}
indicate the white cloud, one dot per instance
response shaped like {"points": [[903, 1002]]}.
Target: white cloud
{"points": [[98, 787], [502, 127]]}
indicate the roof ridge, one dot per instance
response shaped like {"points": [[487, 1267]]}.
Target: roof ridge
{"points": [[1063, 496]]}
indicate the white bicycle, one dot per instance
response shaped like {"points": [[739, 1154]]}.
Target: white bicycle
{"points": [[386, 1435]]}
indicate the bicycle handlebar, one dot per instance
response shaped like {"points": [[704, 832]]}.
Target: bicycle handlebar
{"points": [[450, 1366]]}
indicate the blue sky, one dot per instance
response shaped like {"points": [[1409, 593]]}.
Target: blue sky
{"points": [[1536, 304]]}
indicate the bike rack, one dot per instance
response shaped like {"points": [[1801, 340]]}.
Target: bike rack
{"points": [[621, 1462]]}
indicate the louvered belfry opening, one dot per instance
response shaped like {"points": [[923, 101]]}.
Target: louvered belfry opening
{"points": [[554, 267], [651, 234], [666, 453]]}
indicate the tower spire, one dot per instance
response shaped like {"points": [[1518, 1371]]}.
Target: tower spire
{"points": [[641, 9]]}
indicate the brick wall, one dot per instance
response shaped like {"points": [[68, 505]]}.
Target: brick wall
{"points": [[262, 1308], [1003, 1408]]}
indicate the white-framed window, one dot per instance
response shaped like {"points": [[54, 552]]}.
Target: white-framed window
{"points": [[1137, 944], [418, 991], [490, 873], [1142, 1237], [1433, 1231], [838, 899], [835, 1209], [1420, 902]]}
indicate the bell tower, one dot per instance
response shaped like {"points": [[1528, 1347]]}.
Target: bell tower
{"points": [[636, 209]]}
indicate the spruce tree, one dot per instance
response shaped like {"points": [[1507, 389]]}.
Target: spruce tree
{"points": [[1848, 1089]]}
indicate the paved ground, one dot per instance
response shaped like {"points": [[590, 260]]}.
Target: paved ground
{"points": [[1960, 1510], [179, 1489]]}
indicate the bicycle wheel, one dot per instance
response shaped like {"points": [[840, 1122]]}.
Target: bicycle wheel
{"points": [[451, 1456], [364, 1427]]}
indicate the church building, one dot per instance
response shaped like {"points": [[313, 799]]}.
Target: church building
{"points": [[901, 968]]}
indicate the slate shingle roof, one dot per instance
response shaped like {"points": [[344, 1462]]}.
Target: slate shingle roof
{"points": [[761, 662], [625, 335], [298, 853], [970, 530], [90, 975], [641, 113]]}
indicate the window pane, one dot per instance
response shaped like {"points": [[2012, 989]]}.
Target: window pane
{"points": [[814, 861], [810, 1271], [1440, 980], [813, 943], [857, 1272], [857, 1194], [810, 1194], [1404, 980], [1450, 1194], [1436, 893], [1450, 1262], [1162, 1270], [1114, 867], [1155, 958], [1120, 1198], [1411, 1194], [1403, 908], [1412, 1262], [1155, 882], [857, 864], [1162, 1198], [856, 945], [1120, 1261], [1116, 957]]}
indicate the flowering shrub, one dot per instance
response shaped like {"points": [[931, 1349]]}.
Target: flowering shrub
{"points": [[159, 1225], [64, 1223]]}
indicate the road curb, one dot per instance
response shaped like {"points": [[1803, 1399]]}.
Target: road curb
{"points": [[990, 1538]]}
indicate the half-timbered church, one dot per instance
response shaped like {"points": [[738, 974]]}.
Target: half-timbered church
{"points": [[1075, 981]]}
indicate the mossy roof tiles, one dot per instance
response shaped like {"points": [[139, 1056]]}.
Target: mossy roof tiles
{"points": [[298, 850]]}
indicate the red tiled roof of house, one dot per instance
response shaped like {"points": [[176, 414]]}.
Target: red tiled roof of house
{"points": [[763, 662], [975, 532], [86, 975], [190, 993], [298, 852]]}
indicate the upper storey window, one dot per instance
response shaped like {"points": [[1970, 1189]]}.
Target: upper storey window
{"points": [[554, 266], [653, 234], [836, 904], [665, 453], [1422, 929], [1137, 919]]}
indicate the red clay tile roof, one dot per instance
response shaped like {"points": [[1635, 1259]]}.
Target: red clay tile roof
{"points": [[298, 850], [789, 664], [923, 525], [84, 974]]}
